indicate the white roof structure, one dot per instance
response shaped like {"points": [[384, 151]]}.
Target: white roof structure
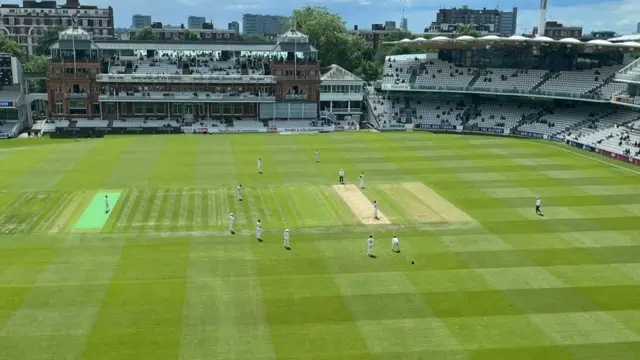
{"points": [[336, 72], [623, 38], [628, 41]]}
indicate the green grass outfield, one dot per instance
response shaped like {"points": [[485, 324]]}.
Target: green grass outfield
{"points": [[163, 279]]}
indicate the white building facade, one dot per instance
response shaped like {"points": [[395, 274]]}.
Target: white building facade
{"points": [[341, 93]]}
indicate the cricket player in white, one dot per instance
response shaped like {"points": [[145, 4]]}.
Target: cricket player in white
{"points": [[370, 245], [260, 166], [317, 153], [361, 180], [395, 244], [239, 192], [232, 219], [259, 230], [287, 237], [375, 209], [106, 204], [538, 204], [341, 176]]}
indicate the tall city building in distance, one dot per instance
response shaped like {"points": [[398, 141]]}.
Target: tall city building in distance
{"points": [[35, 18], [638, 29], [268, 25], [404, 24], [494, 21], [195, 22], [139, 21], [235, 26]]}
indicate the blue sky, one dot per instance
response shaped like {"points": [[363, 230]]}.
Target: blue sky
{"points": [[621, 16]]}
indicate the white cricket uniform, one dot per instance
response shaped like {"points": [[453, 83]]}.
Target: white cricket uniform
{"points": [[361, 181], [259, 230], [287, 237], [239, 192], [106, 205], [232, 219], [395, 244], [370, 246], [259, 165], [538, 202], [375, 210], [317, 156]]}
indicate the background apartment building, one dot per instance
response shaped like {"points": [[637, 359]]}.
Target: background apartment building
{"points": [[235, 26], [495, 21], [172, 33], [196, 22], [378, 32], [139, 21], [267, 25], [26, 23], [557, 31]]}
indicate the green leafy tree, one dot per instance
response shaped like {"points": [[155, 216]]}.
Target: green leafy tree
{"points": [[12, 47], [146, 33], [369, 71], [253, 37], [468, 30], [190, 35], [398, 35], [47, 39], [37, 64], [328, 34]]}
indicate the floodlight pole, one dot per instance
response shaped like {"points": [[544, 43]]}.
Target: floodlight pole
{"points": [[543, 18]]}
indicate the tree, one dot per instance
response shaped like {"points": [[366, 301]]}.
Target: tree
{"points": [[253, 37], [328, 34], [12, 47], [190, 35], [37, 64], [369, 71], [47, 39], [146, 33], [468, 30]]}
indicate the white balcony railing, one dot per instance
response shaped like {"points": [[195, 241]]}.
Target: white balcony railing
{"points": [[189, 79]]}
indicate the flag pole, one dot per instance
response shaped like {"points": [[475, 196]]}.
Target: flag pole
{"points": [[74, 20]]}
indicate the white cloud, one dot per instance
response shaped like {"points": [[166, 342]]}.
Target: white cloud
{"points": [[242, 7]]}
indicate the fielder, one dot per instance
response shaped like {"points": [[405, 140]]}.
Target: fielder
{"points": [[287, 237], [341, 176], [317, 154], [375, 209], [239, 192], [370, 246], [259, 231], [231, 221], [361, 180], [259, 166], [395, 244], [538, 204], [106, 204]]}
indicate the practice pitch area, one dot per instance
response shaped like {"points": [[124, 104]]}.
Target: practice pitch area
{"points": [[160, 277]]}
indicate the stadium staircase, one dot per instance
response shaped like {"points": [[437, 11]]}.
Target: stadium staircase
{"points": [[413, 77], [244, 71], [110, 123], [72, 123], [327, 115], [630, 72], [475, 78], [606, 82], [545, 78], [531, 118], [128, 70]]}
